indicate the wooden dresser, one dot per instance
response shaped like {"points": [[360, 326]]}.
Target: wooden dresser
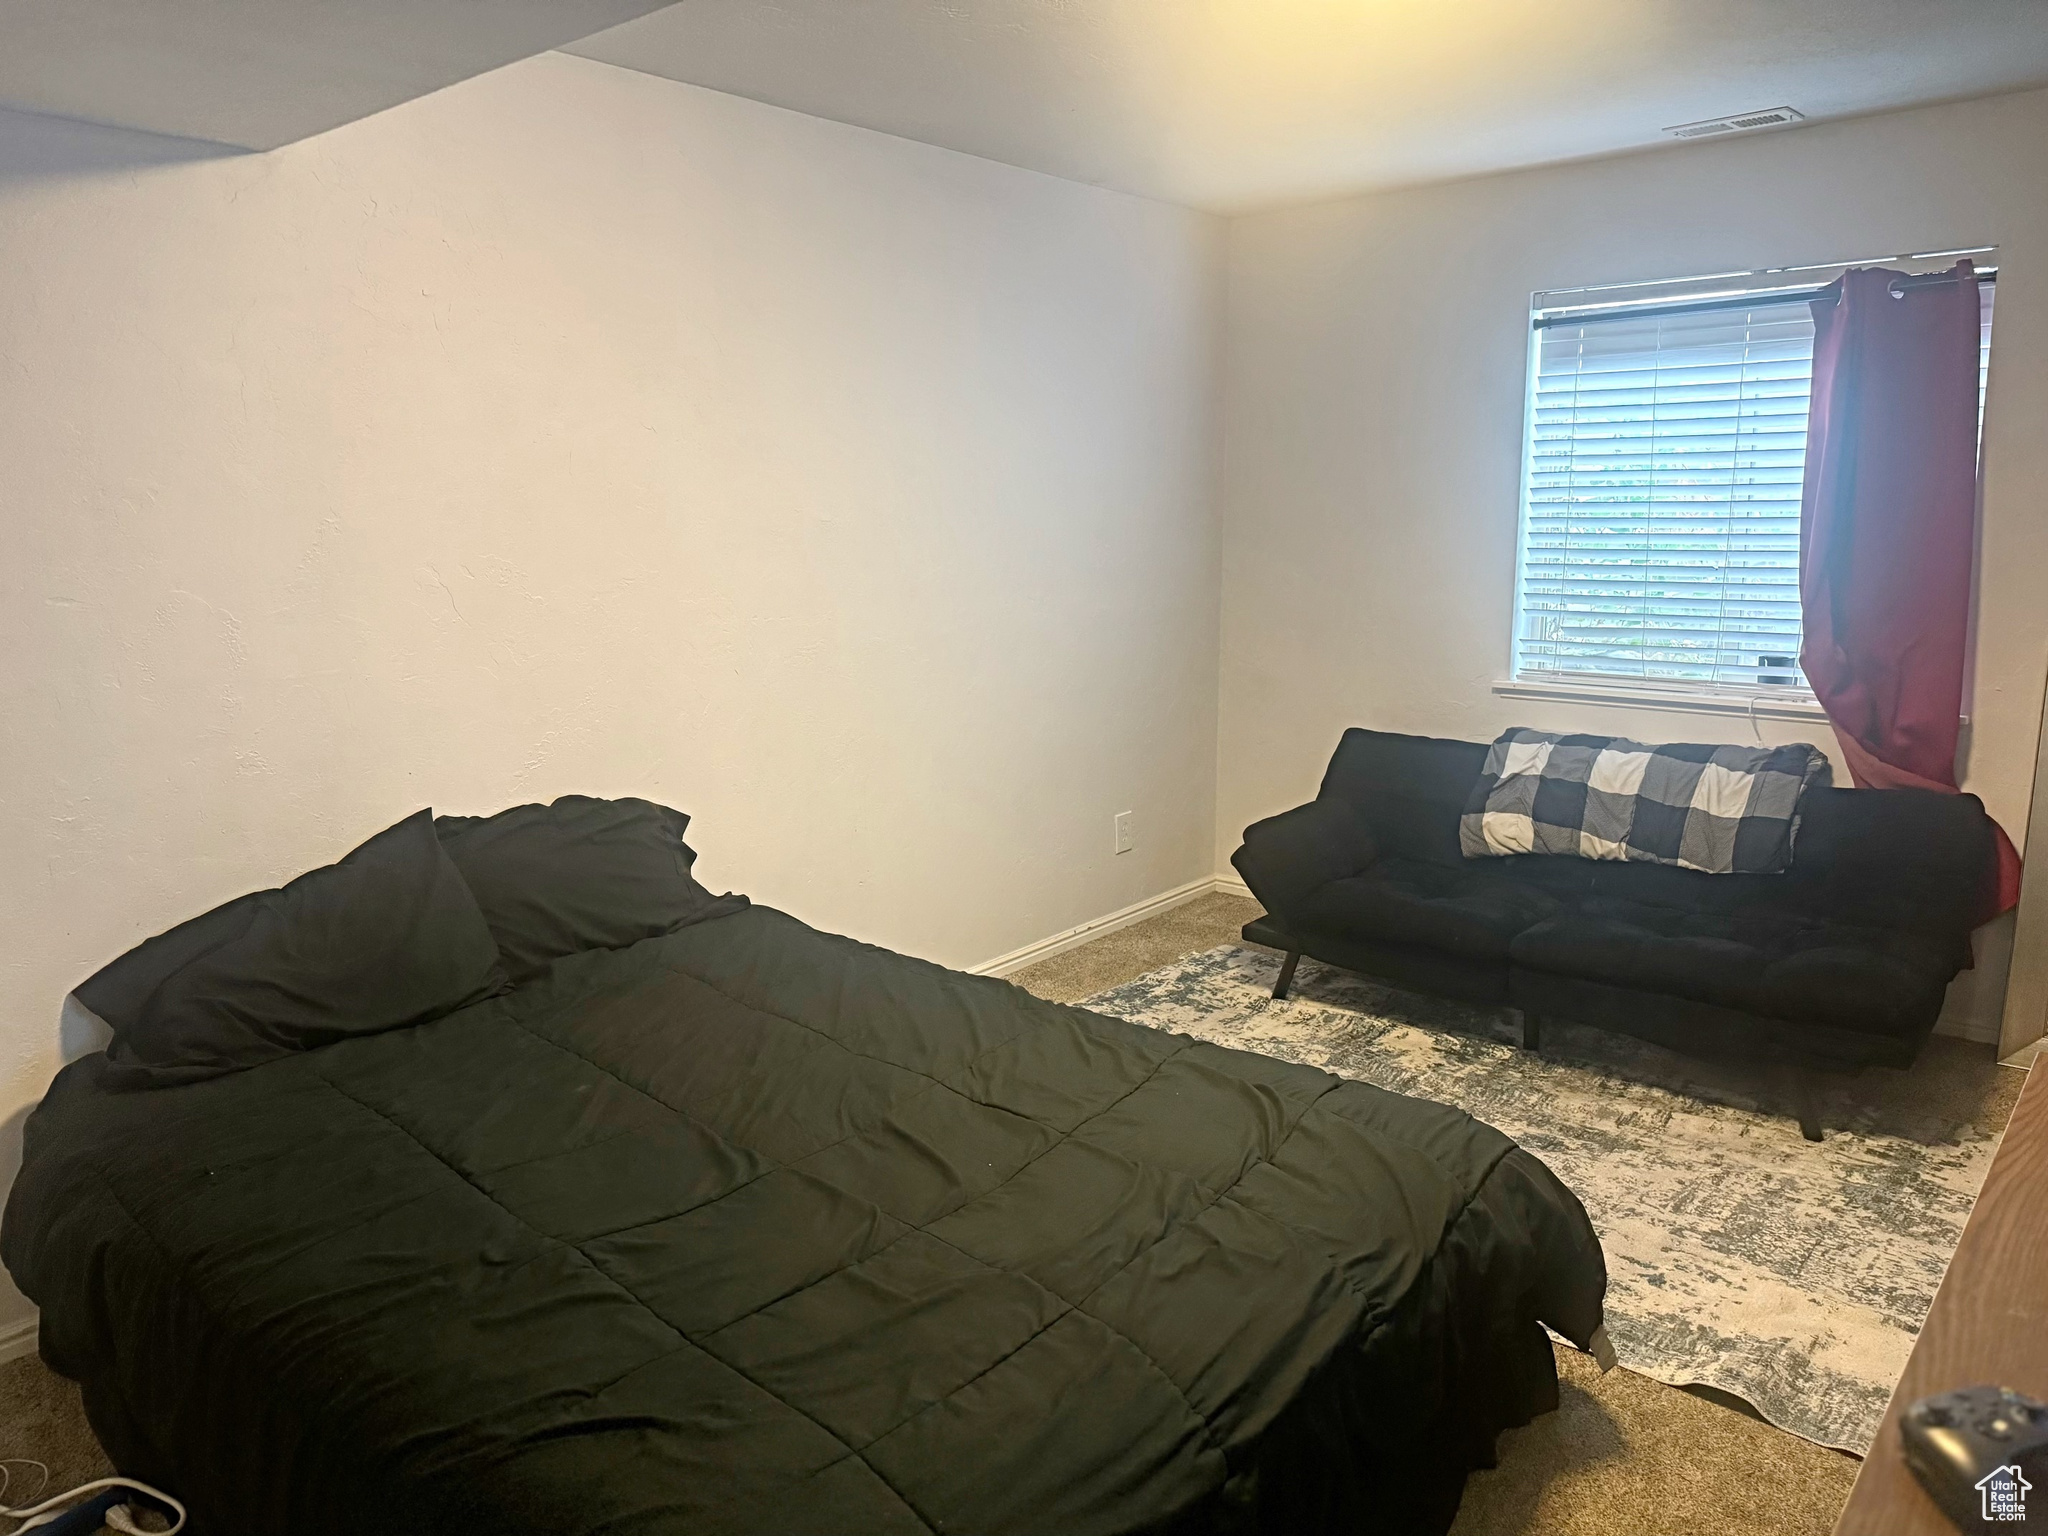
{"points": [[1989, 1322]]}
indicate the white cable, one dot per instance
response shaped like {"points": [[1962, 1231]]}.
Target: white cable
{"points": [[50, 1510], [119, 1519]]}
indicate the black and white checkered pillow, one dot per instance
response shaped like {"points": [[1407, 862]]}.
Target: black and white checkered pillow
{"points": [[1724, 810]]}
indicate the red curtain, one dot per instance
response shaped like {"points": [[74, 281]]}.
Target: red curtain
{"points": [[1887, 526]]}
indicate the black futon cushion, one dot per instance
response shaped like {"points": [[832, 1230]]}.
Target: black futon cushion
{"points": [[386, 937], [577, 875], [1461, 909], [1775, 963]]}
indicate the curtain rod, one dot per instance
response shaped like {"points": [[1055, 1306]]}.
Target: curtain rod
{"points": [[1804, 266], [1788, 295], [1749, 301]]}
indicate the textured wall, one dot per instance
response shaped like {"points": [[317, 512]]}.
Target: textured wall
{"points": [[574, 430]]}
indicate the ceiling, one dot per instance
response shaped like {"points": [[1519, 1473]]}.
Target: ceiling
{"points": [[1222, 104], [1230, 104], [255, 74]]}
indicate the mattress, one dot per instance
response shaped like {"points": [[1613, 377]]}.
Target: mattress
{"points": [[755, 1229]]}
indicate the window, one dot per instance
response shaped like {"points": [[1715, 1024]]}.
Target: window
{"points": [[1666, 453]]}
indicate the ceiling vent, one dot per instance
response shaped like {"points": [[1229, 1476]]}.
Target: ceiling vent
{"points": [[1740, 122]]}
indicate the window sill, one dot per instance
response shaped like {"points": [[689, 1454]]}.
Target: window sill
{"points": [[1764, 704]]}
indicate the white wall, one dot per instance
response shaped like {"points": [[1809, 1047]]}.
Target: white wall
{"points": [[575, 430], [1376, 354]]}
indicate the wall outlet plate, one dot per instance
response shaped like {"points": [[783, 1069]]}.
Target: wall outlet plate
{"points": [[1123, 831]]}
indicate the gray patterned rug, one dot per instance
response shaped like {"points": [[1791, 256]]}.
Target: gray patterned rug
{"points": [[1740, 1256]]}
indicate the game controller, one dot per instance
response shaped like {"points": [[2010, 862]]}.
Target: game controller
{"points": [[1980, 1453]]}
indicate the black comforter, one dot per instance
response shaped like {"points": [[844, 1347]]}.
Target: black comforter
{"points": [[755, 1229]]}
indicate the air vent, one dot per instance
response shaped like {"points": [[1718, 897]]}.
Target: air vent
{"points": [[1740, 122]]}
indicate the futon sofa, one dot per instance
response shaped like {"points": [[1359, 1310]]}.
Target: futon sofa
{"points": [[1840, 962]]}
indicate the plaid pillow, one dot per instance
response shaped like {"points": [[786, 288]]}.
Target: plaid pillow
{"points": [[1724, 810]]}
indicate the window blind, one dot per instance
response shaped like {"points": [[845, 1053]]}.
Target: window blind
{"points": [[1660, 537]]}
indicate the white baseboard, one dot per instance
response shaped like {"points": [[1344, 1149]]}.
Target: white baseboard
{"points": [[1230, 885], [1968, 1029], [1017, 959], [17, 1340], [2023, 1058]]}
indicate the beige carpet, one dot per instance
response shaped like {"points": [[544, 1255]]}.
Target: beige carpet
{"points": [[1622, 1453], [41, 1418]]}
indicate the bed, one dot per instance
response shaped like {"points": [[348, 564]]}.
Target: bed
{"points": [[745, 1227]]}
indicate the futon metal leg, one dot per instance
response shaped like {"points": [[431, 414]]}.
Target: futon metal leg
{"points": [[1286, 974], [1531, 1030], [1803, 1103]]}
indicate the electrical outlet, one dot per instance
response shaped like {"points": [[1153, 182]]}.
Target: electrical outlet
{"points": [[1123, 831]]}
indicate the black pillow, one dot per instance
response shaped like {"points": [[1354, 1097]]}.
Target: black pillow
{"points": [[555, 880], [389, 936], [118, 991]]}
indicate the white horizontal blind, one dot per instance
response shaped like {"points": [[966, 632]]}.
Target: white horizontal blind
{"points": [[1660, 539]]}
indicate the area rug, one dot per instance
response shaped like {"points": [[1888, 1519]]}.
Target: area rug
{"points": [[1740, 1256]]}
